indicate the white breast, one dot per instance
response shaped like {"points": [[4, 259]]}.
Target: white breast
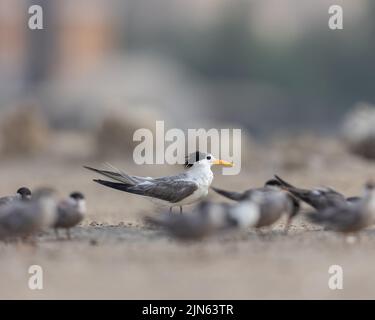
{"points": [[202, 176]]}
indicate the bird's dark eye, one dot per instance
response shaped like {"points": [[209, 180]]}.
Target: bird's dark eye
{"points": [[208, 157]]}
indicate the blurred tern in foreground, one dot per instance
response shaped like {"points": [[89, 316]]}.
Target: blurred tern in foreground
{"points": [[348, 218], [207, 219], [24, 218], [271, 200], [22, 194], [172, 191], [70, 212], [319, 198]]}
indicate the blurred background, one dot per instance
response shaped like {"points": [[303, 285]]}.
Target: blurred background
{"points": [[99, 70], [268, 65]]}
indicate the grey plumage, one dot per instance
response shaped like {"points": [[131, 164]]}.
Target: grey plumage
{"points": [[270, 185], [118, 175], [236, 196], [8, 199], [70, 212], [348, 217], [319, 198], [22, 193], [23, 218], [273, 205], [353, 199], [206, 220], [182, 189], [271, 201]]}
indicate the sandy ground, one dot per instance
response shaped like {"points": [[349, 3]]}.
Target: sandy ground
{"points": [[114, 256]]}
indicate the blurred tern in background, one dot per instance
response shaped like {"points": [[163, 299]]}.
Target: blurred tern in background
{"points": [[271, 200], [23, 193], [348, 218], [24, 218], [270, 185], [70, 212], [319, 198], [171, 191]]}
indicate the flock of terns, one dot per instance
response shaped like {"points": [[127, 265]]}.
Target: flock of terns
{"points": [[26, 214]]}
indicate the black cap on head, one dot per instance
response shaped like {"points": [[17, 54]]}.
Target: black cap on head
{"points": [[24, 192], [194, 157], [77, 195], [273, 182]]}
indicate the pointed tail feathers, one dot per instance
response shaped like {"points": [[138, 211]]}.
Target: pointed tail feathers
{"points": [[237, 196], [297, 192], [114, 185], [118, 176]]}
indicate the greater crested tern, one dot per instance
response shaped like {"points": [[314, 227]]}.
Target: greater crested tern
{"points": [[70, 212], [24, 218], [22, 193], [319, 198], [271, 200], [172, 191], [348, 218]]}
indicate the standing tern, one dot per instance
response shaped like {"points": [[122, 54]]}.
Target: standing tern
{"points": [[70, 212], [347, 218], [22, 193], [24, 218], [319, 198], [271, 200], [172, 191]]}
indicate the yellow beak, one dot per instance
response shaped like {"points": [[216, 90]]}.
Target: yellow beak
{"points": [[224, 163]]}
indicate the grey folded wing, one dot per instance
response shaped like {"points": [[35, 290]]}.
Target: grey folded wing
{"points": [[6, 200], [165, 189], [335, 217], [16, 218]]}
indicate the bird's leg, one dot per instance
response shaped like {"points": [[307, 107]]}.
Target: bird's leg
{"points": [[180, 209], [259, 232], [68, 233], [27, 238], [57, 233], [287, 224], [33, 241], [18, 242]]}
